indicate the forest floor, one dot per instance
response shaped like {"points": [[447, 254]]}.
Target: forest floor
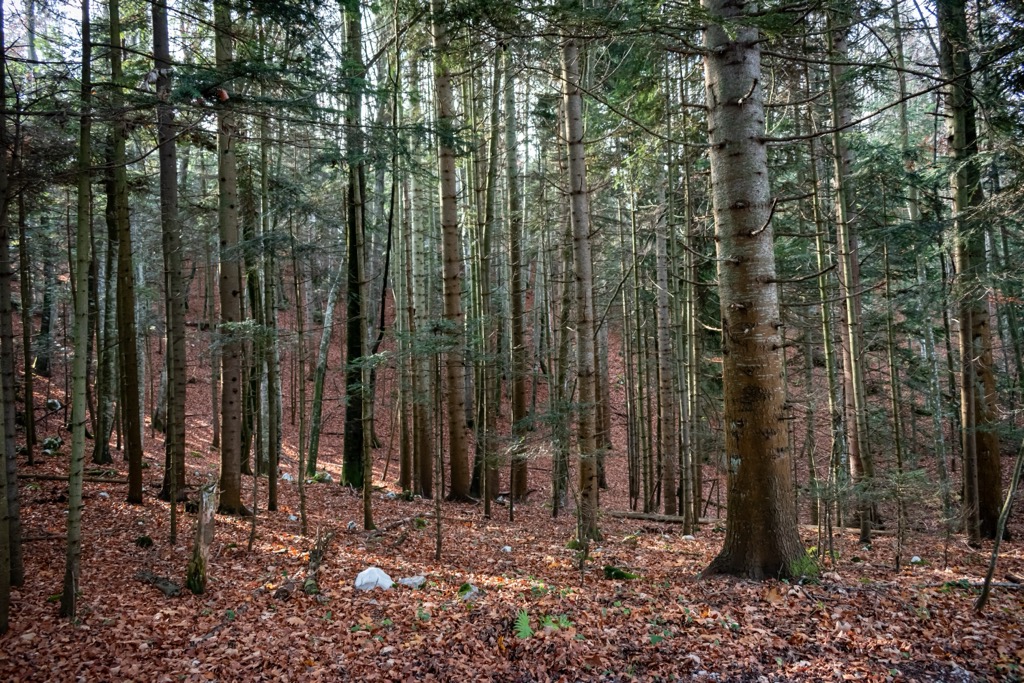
{"points": [[541, 611], [540, 614]]}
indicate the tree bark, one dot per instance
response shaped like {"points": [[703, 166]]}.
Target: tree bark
{"points": [[761, 538], [579, 201], [174, 433], [230, 278], [72, 563], [451, 254], [9, 493], [519, 416], [982, 471]]}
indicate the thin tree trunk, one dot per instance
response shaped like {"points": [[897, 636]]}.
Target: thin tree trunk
{"points": [[320, 374], [519, 416], [174, 434], [668, 416], [861, 465], [72, 563], [579, 201]]}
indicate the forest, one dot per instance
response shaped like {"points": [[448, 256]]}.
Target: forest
{"points": [[541, 341]]}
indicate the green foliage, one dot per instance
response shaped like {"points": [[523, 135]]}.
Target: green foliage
{"points": [[522, 625], [960, 584], [611, 572], [556, 622], [805, 567]]}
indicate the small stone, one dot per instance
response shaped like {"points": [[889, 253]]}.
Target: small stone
{"points": [[351, 526], [414, 582], [387, 650], [506, 548], [689, 537], [104, 494], [390, 495], [287, 476], [468, 592], [292, 518], [916, 560]]}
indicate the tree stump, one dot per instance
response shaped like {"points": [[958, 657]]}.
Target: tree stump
{"points": [[195, 577]]}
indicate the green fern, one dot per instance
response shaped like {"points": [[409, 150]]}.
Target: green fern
{"points": [[523, 628]]}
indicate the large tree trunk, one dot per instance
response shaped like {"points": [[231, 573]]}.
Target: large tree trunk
{"points": [[9, 493], [761, 537], [128, 355], [357, 304], [982, 472], [230, 280], [579, 201], [72, 564], [10, 531], [451, 254]]}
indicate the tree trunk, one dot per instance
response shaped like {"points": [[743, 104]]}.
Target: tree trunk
{"points": [[519, 416], [982, 472], [9, 492], [761, 538], [423, 428], [230, 279], [72, 564], [668, 416], [858, 447], [106, 349], [579, 201], [320, 374], [174, 432], [451, 253], [357, 432], [126, 328]]}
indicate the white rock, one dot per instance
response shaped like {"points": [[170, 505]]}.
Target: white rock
{"points": [[390, 495], [373, 577], [292, 518], [689, 537], [351, 526], [470, 593], [916, 560], [414, 582], [104, 494], [287, 476], [506, 548]]}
